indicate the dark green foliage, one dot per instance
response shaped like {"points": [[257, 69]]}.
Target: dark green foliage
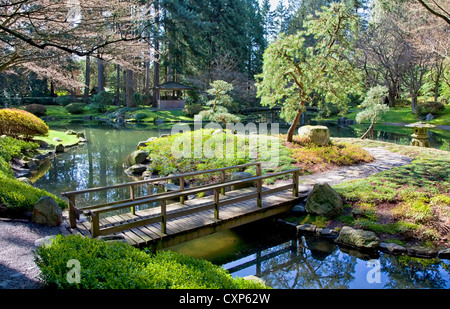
{"points": [[192, 110], [120, 266], [434, 108], [100, 101], [76, 108], [15, 194], [64, 100]]}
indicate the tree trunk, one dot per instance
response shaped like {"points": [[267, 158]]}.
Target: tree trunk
{"points": [[117, 97], [369, 132], [290, 132], [413, 103], [101, 75], [130, 102], [87, 80], [156, 58]]}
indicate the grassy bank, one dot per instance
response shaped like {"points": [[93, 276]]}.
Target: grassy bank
{"points": [[16, 196], [208, 149], [407, 204]]}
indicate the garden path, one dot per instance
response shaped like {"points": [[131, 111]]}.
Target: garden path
{"points": [[384, 160]]}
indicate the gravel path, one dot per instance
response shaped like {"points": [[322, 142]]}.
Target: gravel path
{"points": [[17, 267], [17, 237]]}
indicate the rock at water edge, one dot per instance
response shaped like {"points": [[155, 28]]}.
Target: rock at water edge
{"points": [[47, 212], [358, 238]]}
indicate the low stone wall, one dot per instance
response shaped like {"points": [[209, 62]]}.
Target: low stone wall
{"points": [[171, 104]]}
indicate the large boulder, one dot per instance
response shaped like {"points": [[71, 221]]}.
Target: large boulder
{"points": [[324, 201], [138, 157], [242, 175], [136, 169], [358, 238], [319, 135], [47, 212]]}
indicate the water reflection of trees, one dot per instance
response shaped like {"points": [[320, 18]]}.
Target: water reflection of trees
{"points": [[314, 265], [319, 264], [408, 272], [95, 164]]}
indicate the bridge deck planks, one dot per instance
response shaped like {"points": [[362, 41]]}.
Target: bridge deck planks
{"points": [[177, 227]]}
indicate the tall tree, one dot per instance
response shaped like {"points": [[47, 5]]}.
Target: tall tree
{"points": [[38, 32], [294, 74]]}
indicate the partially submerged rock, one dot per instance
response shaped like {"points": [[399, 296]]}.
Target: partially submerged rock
{"points": [[358, 238]]}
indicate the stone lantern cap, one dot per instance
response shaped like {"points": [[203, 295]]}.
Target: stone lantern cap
{"points": [[420, 124]]}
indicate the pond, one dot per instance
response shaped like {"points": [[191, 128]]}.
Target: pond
{"points": [[282, 260]]}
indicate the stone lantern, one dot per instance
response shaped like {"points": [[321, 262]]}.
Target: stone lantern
{"points": [[420, 136]]}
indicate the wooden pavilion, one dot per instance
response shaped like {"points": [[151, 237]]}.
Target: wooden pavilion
{"points": [[170, 95]]}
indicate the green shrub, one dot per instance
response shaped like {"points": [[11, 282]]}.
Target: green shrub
{"points": [[19, 123], [39, 100], [36, 109], [76, 108], [402, 103], [64, 100], [105, 265], [426, 108], [11, 147], [140, 116], [100, 101], [192, 110], [19, 196]]}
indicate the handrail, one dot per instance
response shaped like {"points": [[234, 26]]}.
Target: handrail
{"points": [[164, 216], [74, 212], [141, 182]]}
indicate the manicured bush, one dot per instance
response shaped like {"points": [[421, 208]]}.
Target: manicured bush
{"points": [[100, 101], [36, 109], [76, 108], [19, 123], [426, 108], [192, 110], [39, 100], [19, 196], [64, 100], [105, 265]]}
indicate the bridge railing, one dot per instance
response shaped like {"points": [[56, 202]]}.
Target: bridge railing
{"points": [[163, 216], [75, 211]]}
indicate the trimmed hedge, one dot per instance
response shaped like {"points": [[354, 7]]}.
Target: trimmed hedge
{"points": [[19, 123], [116, 265], [36, 109], [426, 108], [76, 108]]}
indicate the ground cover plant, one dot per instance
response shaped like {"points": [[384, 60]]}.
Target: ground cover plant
{"points": [[17, 196], [116, 265], [297, 154], [408, 204]]}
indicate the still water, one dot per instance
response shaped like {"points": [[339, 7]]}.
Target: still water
{"points": [[261, 249]]}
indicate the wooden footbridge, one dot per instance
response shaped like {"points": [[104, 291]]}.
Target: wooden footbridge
{"points": [[169, 218]]}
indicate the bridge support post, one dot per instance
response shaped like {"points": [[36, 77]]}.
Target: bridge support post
{"points": [[163, 217], [133, 208], [258, 186], [222, 190], [72, 219], [95, 225], [295, 181], [216, 204], [182, 189]]}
